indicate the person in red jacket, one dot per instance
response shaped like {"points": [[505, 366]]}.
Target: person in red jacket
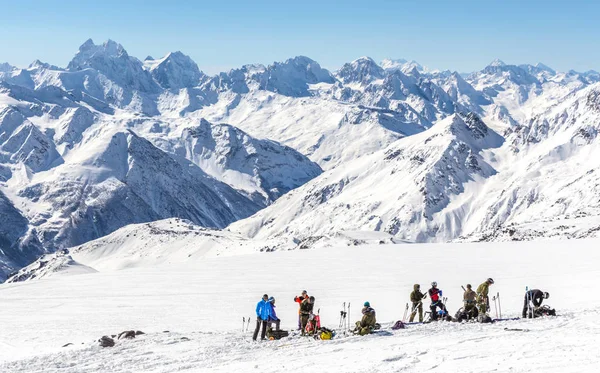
{"points": [[435, 295], [299, 300]]}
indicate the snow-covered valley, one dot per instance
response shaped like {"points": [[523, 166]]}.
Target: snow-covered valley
{"points": [[202, 303]]}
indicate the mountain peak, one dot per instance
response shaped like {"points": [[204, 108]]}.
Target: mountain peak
{"points": [[362, 70], [175, 71], [544, 67], [89, 50], [497, 63], [6, 67], [88, 44]]}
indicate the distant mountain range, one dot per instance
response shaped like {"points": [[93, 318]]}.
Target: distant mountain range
{"points": [[292, 152]]}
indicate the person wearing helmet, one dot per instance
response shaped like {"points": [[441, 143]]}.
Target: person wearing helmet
{"points": [[483, 301], [435, 295], [533, 300], [299, 300], [416, 297], [368, 321], [273, 319]]}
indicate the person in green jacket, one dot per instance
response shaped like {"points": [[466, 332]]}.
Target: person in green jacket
{"points": [[483, 301], [368, 321], [416, 297]]}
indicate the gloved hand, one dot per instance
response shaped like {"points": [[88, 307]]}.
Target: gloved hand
{"points": [[441, 293]]}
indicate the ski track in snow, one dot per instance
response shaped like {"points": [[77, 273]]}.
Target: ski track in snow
{"points": [[204, 302]]}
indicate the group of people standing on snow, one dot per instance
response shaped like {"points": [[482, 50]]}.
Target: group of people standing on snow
{"points": [[265, 316], [475, 303]]}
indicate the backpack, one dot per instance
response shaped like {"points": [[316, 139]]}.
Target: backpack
{"points": [[398, 325], [276, 334], [461, 315], [313, 324], [326, 334], [544, 311], [484, 319]]}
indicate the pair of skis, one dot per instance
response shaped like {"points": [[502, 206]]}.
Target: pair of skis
{"points": [[344, 319], [245, 323], [497, 306]]}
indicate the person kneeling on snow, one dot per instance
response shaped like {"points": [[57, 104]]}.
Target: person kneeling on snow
{"points": [[273, 319], [263, 312], [368, 321]]}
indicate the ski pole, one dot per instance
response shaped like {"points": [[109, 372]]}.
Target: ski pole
{"points": [[348, 321], [499, 307], [243, 323], [495, 305], [527, 301], [405, 312], [248, 327]]}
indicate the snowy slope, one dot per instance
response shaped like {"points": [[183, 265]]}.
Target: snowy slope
{"points": [[198, 302], [444, 184], [174, 241], [397, 190]]}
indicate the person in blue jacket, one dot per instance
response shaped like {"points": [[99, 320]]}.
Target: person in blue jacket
{"points": [[263, 313], [273, 319]]}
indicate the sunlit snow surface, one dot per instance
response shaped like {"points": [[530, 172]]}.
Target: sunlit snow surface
{"points": [[206, 300]]}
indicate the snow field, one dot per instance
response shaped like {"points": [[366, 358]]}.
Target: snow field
{"points": [[205, 302]]}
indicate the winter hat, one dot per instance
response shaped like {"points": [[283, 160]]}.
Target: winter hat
{"points": [[367, 304], [469, 286], [272, 300], [490, 280]]}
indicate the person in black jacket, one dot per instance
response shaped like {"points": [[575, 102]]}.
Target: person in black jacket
{"points": [[306, 309], [533, 299]]}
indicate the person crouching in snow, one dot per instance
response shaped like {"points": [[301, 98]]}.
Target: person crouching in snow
{"points": [[368, 321], [263, 312], [273, 319], [306, 310]]}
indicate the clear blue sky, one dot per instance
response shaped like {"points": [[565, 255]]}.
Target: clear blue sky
{"points": [[219, 34]]}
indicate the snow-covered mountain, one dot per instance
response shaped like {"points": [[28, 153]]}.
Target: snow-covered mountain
{"points": [[420, 155], [398, 190], [459, 180]]}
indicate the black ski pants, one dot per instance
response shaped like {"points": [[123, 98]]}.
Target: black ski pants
{"points": [[528, 307], [259, 323], [434, 307], [276, 322]]}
